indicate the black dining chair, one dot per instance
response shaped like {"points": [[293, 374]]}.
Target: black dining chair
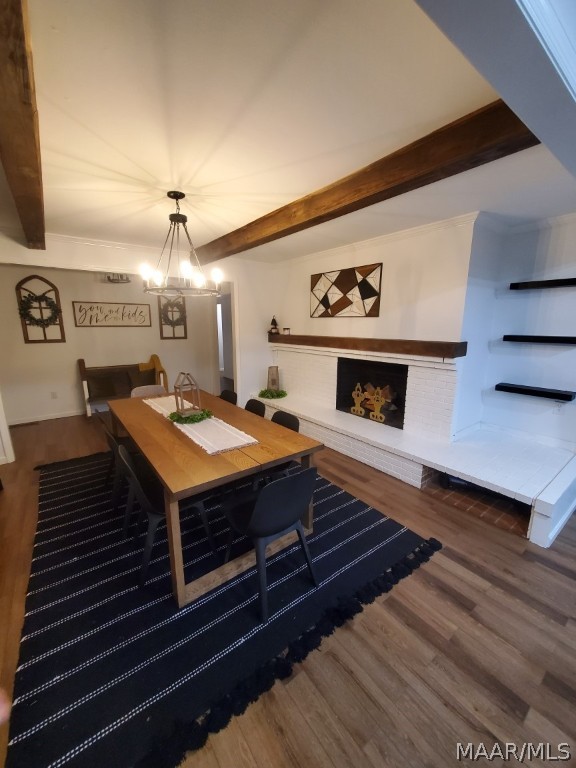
{"points": [[287, 420], [255, 406], [114, 441], [114, 471], [229, 396], [146, 489], [272, 512]]}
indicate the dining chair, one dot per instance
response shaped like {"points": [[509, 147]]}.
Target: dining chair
{"points": [[148, 390], [255, 406], [274, 511], [114, 471], [114, 441], [146, 489], [229, 396], [287, 420]]}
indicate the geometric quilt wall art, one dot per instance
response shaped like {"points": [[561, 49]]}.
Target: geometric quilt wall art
{"points": [[351, 292]]}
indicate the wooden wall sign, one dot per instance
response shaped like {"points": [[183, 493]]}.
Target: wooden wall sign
{"points": [[92, 314], [352, 292], [40, 311], [172, 317]]}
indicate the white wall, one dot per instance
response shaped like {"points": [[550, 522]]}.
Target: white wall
{"points": [[75, 253], [255, 298], [450, 282], [539, 253], [423, 293], [227, 362], [446, 282], [423, 285], [41, 381], [255, 288], [485, 265], [6, 449]]}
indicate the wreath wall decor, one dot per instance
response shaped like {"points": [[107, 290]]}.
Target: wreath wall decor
{"points": [[34, 301], [40, 310], [172, 315]]}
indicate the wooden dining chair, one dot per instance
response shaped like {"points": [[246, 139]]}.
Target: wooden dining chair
{"points": [[255, 406], [272, 512], [145, 488], [229, 395]]}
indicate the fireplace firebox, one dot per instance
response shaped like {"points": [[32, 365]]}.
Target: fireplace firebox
{"points": [[372, 390]]}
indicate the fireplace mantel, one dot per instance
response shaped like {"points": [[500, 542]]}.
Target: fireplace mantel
{"points": [[409, 347]]}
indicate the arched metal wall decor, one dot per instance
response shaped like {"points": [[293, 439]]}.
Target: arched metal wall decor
{"points": [[40, 311], [172, 315]]}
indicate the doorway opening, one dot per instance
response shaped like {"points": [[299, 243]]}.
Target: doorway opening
{"points": [[225, 338]]}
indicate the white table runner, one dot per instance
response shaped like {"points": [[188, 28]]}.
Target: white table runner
{"points": [[213, 435]]}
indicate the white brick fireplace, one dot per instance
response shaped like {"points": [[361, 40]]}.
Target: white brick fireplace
{"points": [[542, 475], [309, 375]]}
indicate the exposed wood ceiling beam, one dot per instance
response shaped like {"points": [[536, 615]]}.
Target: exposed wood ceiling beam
{"points": [[19, 138], [487, 134]]}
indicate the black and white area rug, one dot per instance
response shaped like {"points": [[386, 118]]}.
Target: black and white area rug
{"points": [[112, 674]]}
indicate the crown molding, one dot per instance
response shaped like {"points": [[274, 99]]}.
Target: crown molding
{"points": [[551, 30], [91, 242]]}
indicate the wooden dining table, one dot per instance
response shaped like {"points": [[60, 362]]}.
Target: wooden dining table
{"points": [[187, 470]]}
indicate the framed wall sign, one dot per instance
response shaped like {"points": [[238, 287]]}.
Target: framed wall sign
{"points": [[352, 292], [104, 314]]}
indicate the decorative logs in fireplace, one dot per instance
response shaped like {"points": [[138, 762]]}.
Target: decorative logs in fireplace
{"points": [[372, 390]]}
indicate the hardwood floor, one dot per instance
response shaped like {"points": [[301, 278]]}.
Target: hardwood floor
{"points": [[478, 645]]}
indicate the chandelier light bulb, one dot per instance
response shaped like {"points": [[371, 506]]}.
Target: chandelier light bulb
{"points": [[146, 271], [157, 277], [198, 279], [217, 275], [186, 269]]}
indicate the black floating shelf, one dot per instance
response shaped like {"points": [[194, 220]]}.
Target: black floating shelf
{"points": [[522, 389], [540, 339], [564, 282]]}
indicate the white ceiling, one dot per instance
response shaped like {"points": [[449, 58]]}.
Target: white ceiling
{"points": [[246, 106]]}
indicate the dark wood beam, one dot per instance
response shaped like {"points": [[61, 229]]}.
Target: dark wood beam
{"points": [[480, 137], [445, 349], [19, 138]]}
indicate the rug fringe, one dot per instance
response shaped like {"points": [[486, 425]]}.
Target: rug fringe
{"points": [[191, 736]]}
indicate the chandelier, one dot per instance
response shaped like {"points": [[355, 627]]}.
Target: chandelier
{"points": [[190, 279]]}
